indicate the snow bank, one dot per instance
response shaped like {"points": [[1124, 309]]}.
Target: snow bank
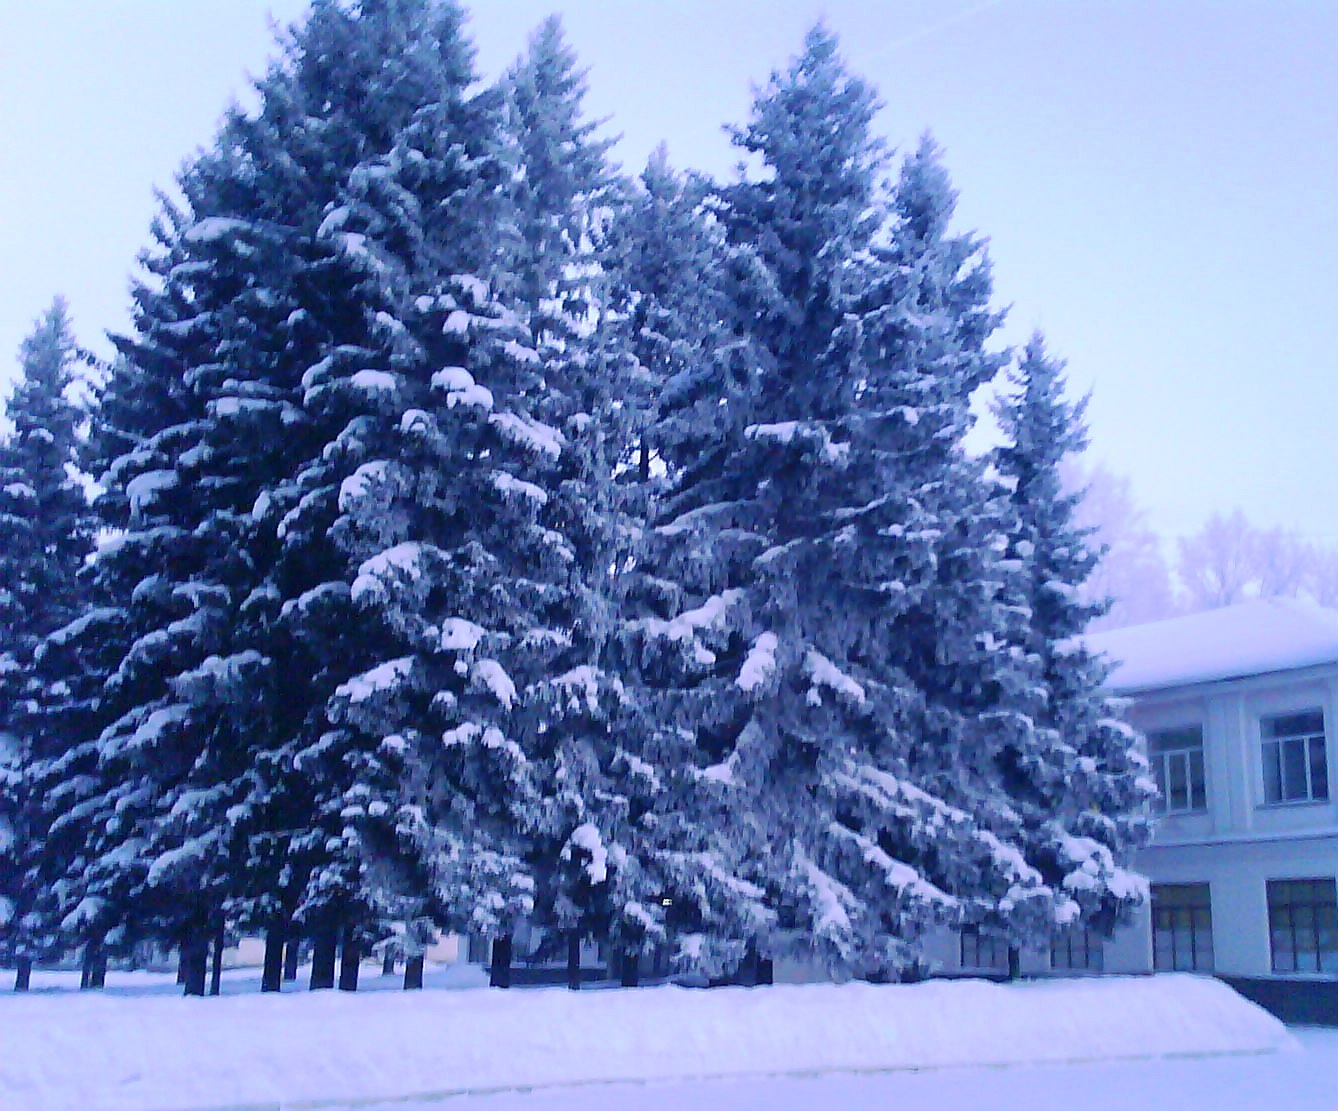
{"points": [[104, 1053]]}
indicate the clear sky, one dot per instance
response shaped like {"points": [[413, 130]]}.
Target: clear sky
{"points": [[1158, 180]]}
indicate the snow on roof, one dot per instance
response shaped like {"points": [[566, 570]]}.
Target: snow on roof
{"points": [[1253, 638]]}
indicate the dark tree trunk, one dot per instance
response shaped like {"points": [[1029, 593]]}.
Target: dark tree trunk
{"points": [[324, 946], [574, 960], [181, 966], [292, 954], [1014, 962], [93, 974], [349, 957], [195, 956], [766, 971], [216, 971], [23, 974], [629, 969], [388, 965], [271, 977], [413, 973], [499, 975]]}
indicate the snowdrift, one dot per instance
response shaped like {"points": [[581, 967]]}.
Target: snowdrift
{"points": [[151, 1053]]}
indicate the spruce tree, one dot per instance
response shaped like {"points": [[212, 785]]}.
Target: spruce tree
{"points": [[1072, 768], [49, 532], [831, 648]]}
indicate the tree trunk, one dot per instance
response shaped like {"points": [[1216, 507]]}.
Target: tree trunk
{"points": [[216, 972], [1014, 962], [413, 973], [181, 966], [23, 974], [388, 964], [292, 954], [349, 958], [195, 956], [574, 960], [94, 971], [271, 977], [766, 972], [629, 969], [499, 974], [323, 948]]}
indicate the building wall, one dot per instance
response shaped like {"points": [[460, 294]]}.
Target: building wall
{"points": [[1241, 841]]}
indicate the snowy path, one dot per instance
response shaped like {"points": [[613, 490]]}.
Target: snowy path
{"points": [[1307, 1081]]}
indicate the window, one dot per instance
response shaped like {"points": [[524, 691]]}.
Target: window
{"points": [[1177, 760], [1303, 925], [1182, 927], [1295, 766], [983, 950], [1078, 949]]}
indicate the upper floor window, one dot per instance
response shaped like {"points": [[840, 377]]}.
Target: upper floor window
{"points": [[1177, 761], [1295, 766]]}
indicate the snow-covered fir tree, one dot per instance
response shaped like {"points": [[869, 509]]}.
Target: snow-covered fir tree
{"points": [[48, 529], [1072, 768], [833, 651]]}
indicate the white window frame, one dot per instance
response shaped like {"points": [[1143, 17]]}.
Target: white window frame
{"points": [[1163, 757], [1287, 787]]}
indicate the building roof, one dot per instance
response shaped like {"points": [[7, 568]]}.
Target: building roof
{"points": [[1253, 638]]}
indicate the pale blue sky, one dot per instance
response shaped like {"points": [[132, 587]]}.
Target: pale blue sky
{"points": [[1157, 178]]}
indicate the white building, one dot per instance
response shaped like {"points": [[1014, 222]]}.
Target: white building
{"points": [[1239, 707]]}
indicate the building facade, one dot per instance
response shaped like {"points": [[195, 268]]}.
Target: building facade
{"points": [[1240, 710]]}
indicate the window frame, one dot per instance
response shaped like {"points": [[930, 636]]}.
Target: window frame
{"points": [[981, 943], [1310, 761], [1067, 945], [1161, 756], [1184, 915], [1311, 895]]}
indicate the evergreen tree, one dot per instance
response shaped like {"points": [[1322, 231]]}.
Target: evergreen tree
{"points": [[1073, 771], [832, 650], [48, 531], [221, 789]]}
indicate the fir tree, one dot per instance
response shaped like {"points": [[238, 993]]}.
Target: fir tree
{"points": [[1072, 770], [832, 649], [49, 531]]}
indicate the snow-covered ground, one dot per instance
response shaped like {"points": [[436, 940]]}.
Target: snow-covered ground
{"points": [[1307, 1081], [138, 1047]]}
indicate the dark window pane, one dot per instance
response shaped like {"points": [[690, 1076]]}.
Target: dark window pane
{"points": [[1272, 773], [1319, 769], [1294, 770], [1198, 782]]}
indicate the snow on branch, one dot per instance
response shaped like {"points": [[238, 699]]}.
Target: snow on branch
{"points": [[824, 673], [760, 664], [706, 616]]}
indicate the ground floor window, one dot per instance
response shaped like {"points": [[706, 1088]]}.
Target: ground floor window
{"points": [[983, 950], [1078, 949], [1303, 925], [1182, 927]]}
